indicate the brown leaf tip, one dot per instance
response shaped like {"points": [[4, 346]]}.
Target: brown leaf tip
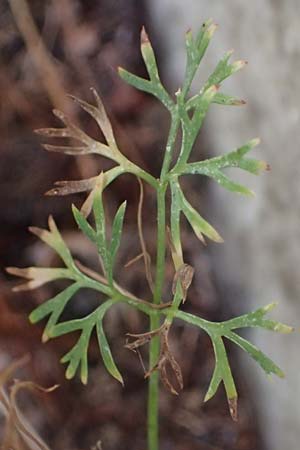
{"points": [[232, 403], [144, 37]]}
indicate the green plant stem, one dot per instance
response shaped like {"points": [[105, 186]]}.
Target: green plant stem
{"points": [[154, 350], [161, 243], [153, 388]]}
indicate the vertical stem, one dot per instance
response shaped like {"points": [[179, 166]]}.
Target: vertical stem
{"points": [[161, 242], [154, 350], [153, 388]]}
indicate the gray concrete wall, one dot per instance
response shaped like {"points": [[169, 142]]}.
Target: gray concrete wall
{"points": [[261, 253]]}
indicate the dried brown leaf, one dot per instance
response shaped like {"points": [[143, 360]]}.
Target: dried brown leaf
{"points": [[66, 187], [87, 206], [67, 150], [18, 434], [141, 339], [166, 359], [16, 421], [133, 260], [37, 276], [184, 275], [74, 131]]}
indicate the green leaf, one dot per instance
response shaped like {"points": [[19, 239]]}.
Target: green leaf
{"points": [[78, 355], [256, 319], [116, 233], [199, 225], [139, 83], [217, 331], [83, 224], [195, 50], [201, 107], [222, 372], [227, 100], [219, 98], [265, 363], [224, 70], [224, 181], [203, 38], [106, 354], [55, 307], [212, 167], [149, 57], [99, 215], [154, 85]]}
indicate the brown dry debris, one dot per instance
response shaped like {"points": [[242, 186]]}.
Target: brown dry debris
{"points": [[165, 360], [18, 433]]}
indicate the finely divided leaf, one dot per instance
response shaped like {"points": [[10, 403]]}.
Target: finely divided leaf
{"points": [[38, 276], [219, 98], [199, 225], [218, 331], [116, 233], [55, 307], [265, 363], [213, 167], [226, 182], [106, 354], [99, 215], [222, 372], [78, 355], [224, 70], [99, 114], [54, 239], [149, 57], [83, 224]]}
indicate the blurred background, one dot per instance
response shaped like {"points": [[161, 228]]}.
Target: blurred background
{"points": [[51, 48]]}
